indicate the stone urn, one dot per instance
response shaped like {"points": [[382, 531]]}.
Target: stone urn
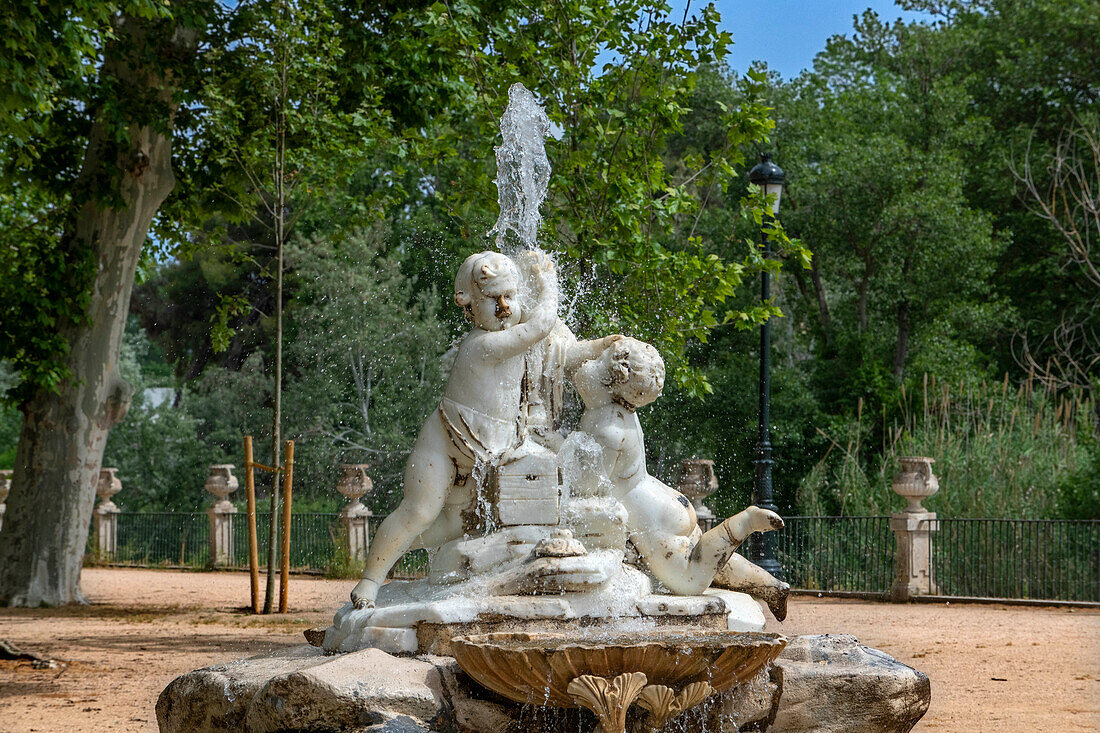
{"points": [[221, 483], [915, 482], [109, 484], [697, 481], [354, 483]]}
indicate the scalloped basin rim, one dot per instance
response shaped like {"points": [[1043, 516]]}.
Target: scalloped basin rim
{"points": [[584, 639], [537, 667]]}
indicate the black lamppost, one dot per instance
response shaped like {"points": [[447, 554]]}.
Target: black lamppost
{"points": [[771, 178]]}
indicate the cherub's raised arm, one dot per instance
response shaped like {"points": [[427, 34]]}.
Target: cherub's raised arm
{"points": [[582, 351], [518, 339]]}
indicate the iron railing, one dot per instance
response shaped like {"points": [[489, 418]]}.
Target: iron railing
{"points": [[162, 538], [852, 554], [1052, 560], [1038, 559], [313, 535], [829, 554]]}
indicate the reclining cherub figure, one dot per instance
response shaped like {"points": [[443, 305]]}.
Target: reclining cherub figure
{"points": [[477, 420], [662, 525]]}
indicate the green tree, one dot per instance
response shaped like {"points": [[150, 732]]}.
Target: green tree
{"points": [[901, 278], [621, 209], [365, 357], [91, 150], [1029, 69], [274, 117], [95, 96]]}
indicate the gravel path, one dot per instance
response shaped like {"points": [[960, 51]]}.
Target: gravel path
{"points": [[993, 668]]}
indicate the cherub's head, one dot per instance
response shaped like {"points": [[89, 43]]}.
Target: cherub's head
{"points": [[486, 288], [631, 371], [635, 372]]}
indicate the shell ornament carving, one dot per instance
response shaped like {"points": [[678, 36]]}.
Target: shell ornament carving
{"points": [[609, 700], [663, 704]]}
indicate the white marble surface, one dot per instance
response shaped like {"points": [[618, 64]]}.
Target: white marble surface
{"points": [[403, 604]]}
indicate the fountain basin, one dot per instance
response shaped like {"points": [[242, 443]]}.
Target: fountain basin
{"points": [[536, 668]]}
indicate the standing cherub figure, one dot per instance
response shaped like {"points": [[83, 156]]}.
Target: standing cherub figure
{"points": [[661, 523], [478, 418]]}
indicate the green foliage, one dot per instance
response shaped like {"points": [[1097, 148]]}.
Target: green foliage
{"points": [[902, 277], [1000, 452], [621, 209], [11, 421], [365, 358], [161, 461], [273, 119], [61, 68], [43, 286]]}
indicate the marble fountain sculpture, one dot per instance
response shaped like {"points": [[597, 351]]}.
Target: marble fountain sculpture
{"points": [[562, 573]]}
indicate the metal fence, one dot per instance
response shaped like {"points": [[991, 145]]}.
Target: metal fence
{"points": [[1053, 560], [854, 554], [313, 547], [162, 538], [850, 554], [1016, 559], [182, 539]]}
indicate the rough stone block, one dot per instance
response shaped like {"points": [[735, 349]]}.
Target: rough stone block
{"points": [[832, 683], [819, 683], [348, 692], [216, 698]]}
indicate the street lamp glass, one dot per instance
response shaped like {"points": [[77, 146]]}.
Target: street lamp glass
{"points": [[777, 189], [770, 177]]}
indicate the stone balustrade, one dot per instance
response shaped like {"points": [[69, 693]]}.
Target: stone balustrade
{"points": [[354, 484], [914, 574], [106, 513], [221, 483]]}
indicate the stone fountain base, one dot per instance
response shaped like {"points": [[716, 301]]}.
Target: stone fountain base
{"points": [[819, 683], [421, 616]]}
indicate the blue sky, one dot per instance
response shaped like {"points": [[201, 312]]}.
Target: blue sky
{"points": [[787, 34]]}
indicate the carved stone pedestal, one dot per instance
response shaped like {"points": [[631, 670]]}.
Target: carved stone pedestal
{"points": [[354, 483], [221, 483], [915, 575], [697, 481], [912, 529], [106, 513]]}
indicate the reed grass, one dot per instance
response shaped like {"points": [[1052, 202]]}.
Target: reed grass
{"points": [[1001, 450]]}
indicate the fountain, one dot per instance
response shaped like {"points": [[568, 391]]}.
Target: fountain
{"points": [[578, 669], [562, 574]]}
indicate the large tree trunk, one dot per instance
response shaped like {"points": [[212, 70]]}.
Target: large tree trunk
{"points": [[120, 188]]}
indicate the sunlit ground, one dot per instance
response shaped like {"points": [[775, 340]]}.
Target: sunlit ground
{"points": [[993, 668]]}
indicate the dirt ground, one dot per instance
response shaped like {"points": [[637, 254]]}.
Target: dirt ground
{"points": [[992, 667]]}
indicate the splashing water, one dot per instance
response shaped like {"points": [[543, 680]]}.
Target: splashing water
{"points": [[523, 171]]}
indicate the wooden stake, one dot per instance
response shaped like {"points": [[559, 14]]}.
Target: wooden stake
{"points": [[253, 541], [288, 478]]}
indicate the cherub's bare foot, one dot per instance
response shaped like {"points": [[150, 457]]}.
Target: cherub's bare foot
{"points": [[762, 520], [364, 594], [776, 598]]}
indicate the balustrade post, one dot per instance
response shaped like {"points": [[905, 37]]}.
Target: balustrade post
{"points": [[354, 483], [697, 481], [5, 487], [106, 513], [221, 483], [914, 573]]}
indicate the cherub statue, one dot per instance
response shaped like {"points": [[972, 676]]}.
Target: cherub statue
{"points": [[478, 418], [662, 526]]}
